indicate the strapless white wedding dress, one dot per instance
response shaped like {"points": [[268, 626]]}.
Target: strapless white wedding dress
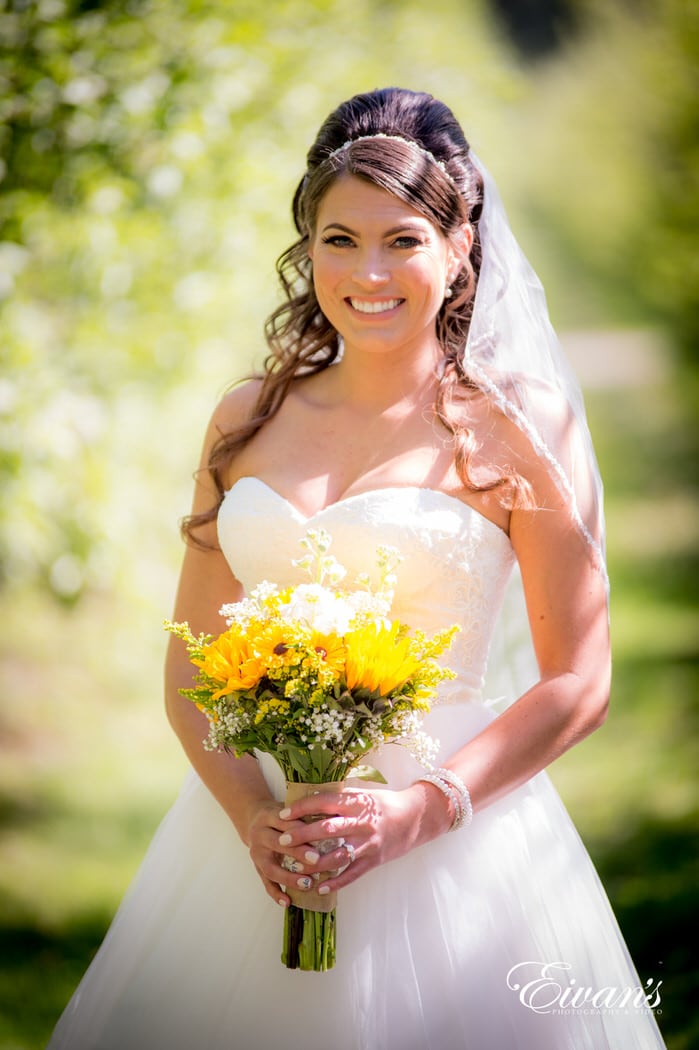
{"points": [[475, 941]]}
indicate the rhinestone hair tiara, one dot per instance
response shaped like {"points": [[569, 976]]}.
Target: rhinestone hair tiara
{"points": [[395, 138]]}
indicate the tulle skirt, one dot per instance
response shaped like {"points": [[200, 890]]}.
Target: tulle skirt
{"points": [[496, 937]]}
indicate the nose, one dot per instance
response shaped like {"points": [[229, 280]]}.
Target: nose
{"points": [[370, 269]]}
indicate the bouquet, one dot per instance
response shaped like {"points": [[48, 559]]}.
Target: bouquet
{"points": [[316, 676]]}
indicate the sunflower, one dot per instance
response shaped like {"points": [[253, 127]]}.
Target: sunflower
{"points": [[379, 658], [331, 650], [231, 661], [277, 644]]}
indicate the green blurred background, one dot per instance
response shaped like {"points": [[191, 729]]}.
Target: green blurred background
{"points": [[148, 152]]}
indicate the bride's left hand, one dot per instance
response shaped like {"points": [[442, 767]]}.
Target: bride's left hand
{"points": [[375, 824]]}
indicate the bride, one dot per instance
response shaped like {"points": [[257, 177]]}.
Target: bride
{"points": [[414, 394]]}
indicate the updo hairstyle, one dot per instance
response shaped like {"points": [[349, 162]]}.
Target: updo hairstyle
{"points": [[411, 145]]}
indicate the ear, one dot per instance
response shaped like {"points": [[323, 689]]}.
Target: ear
{"points": [[460, 244]]}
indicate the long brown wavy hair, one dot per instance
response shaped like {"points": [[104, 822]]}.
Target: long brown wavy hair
{"points": [[438, 180]]}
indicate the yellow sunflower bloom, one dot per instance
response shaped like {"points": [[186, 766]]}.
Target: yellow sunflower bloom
{"points": [[277, 644], [231, 661], [379, 659], [331, 649]]}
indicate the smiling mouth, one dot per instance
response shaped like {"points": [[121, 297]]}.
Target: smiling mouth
{"points": [[376, 306]]}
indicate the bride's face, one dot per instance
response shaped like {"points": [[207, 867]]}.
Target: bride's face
{"points": [[380, 268]]}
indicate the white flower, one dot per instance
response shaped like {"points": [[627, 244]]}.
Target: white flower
{"points": [[264, 591], [317, 539], [369, 606], [239, 612], [424, 747], [306, 563], [332, 570], [320, 608]]}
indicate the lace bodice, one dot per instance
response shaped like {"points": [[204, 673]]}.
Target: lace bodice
{"points": [[455, 564]]}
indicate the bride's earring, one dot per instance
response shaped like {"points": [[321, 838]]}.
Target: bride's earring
{"points": [[449, 291]]}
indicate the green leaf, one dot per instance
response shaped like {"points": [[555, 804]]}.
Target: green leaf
{"points": [[367, 773]]}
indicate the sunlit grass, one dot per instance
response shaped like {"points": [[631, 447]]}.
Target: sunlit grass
{"points": [[89, 763], [632, 786]]}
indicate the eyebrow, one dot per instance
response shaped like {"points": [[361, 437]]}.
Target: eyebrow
{"points": [[401, 228]]}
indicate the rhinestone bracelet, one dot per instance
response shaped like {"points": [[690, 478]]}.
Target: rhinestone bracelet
{"points": [[450, 794], [450, 777]]}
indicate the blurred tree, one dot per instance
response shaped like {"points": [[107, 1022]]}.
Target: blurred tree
{"points": [[148, 155], [665, 251], [614, 126], [537, 28], [148, 150]]}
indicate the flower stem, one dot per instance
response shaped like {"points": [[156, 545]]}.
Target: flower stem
{"points": [[309, 939]]}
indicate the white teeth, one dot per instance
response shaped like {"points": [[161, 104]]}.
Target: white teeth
{"points": [[378, 307]]}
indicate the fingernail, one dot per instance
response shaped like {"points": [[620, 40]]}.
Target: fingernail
{"points": [[285, 839], [304, 883], [295, 866], [284, 814], [324, 889], [311, 856]]}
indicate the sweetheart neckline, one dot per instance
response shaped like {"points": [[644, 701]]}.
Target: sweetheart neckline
{"points": [[382, 489]]}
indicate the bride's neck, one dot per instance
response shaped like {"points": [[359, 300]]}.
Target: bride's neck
{"points": [[378, 382]]}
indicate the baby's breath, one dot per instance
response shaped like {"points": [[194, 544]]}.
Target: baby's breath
{"points": [[317, 675]]}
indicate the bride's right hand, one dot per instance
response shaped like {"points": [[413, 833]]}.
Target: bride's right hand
{"points": [[264, 838]]}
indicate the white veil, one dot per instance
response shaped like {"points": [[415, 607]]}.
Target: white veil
{"points": [[514, 355], [512, 352]]}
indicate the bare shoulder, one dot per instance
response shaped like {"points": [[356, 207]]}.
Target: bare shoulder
{"points": [[236, 407], [506, 445], [233, 410]]}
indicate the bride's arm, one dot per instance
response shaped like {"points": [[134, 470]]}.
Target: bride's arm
{"points": [[206, 583], [567, 609]]}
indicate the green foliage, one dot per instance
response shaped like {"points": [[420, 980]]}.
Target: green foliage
{"points": [[616, 180], [148, 154], [633, 784]]}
